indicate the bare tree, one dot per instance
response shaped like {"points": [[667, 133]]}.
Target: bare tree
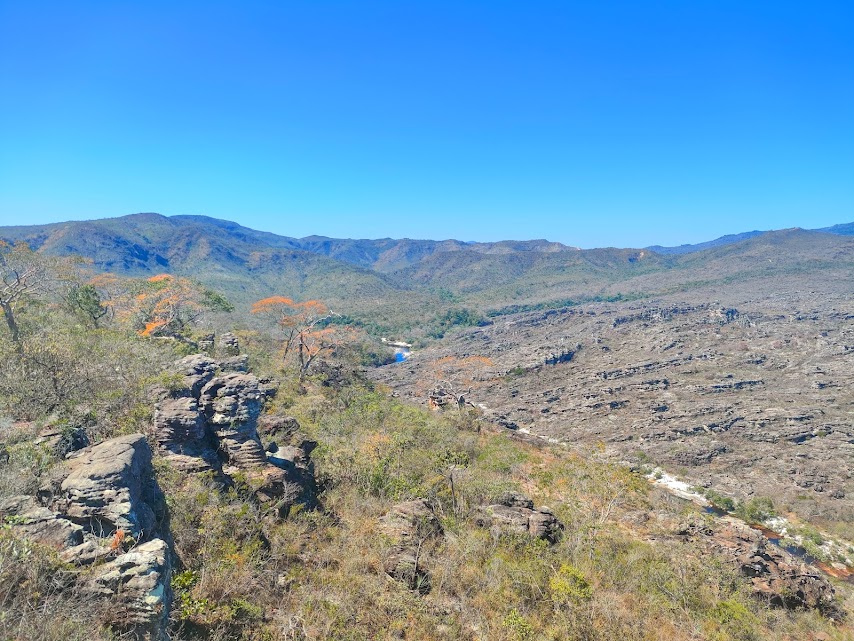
{"points": [[23, 273]]}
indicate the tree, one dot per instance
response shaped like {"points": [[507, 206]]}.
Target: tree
{"points": [[307, 333], [99, 297], [452, 379], [166, 305], [23, 273], [86, 300]]}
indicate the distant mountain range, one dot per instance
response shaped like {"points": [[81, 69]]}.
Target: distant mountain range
{"points": [[393, 279], [846, 229], [144, 241]]}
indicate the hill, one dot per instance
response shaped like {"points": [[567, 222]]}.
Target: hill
{"points": [[371, 279], [846, 229], [615, 443]]}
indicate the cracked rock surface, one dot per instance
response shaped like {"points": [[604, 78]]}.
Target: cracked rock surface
{"points": [[774, 574], [750, 395], [209, 421], [108, 499], [410, 525]]}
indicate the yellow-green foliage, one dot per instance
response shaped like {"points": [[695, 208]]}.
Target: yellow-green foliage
{"points": [[38, 599], [568, 586], [732, 621], [321, 573]]}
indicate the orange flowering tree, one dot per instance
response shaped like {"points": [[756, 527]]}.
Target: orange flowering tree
{"points": [[306, 328], [167, 305]]}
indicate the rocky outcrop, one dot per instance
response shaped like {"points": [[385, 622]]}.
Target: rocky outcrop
{"points": [[278, 426], [228, 345], [107, 508], [111, 487], [235, 363], [515, 514], [181, 432], [206, 342], [442, 398], [138, 583], [296, 461], [410, 525], [209, 420], [775, 575], [754, 393], [699, 453], [40, 524], [231, 404]]}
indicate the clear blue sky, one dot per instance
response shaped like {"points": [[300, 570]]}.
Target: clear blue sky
{"points": [[592, 123]]}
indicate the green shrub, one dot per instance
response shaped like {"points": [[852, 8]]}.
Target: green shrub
{"points": [[756, 510], [569, 586], [720, 501], [517, 625]]}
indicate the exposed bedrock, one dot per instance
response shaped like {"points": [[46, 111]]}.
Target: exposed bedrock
{"points": [[209, 421], [108, 508], [410, 525], [111, 487], [515, 514], [775, 575]]}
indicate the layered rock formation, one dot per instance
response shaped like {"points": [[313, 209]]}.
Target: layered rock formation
{"points": [[107, 513], [208, 421], [41, 524], [750, 395], [515, 514], [111, 487], [775, 575], [228, 345], [138, 584], [410, 525]]}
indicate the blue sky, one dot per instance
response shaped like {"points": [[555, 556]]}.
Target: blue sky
{"points": [[592, 123]]}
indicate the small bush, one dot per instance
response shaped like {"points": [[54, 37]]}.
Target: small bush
{"points": [[756, 510], [569, 586]]}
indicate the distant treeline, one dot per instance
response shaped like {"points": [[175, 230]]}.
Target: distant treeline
{"points": [[564, 302]]}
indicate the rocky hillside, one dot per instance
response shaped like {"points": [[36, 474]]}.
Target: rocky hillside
{"points": [[219, 523], [591, 444], [751, 398]]}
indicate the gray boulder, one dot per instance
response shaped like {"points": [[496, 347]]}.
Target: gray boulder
{"points": [[235, 363], [296, 461], [515, 514], [410, 525], [110, 486], [278, 426], [138, 584], [39, 523], [197, 370], [107, 500], [231, 403], [183, 436], [206, 342]]}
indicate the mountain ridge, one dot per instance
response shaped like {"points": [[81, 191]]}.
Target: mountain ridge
{"points": [[367, 252], [402, 282]]}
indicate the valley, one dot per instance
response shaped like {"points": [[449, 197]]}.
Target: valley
{"points": [[602, 443]]}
